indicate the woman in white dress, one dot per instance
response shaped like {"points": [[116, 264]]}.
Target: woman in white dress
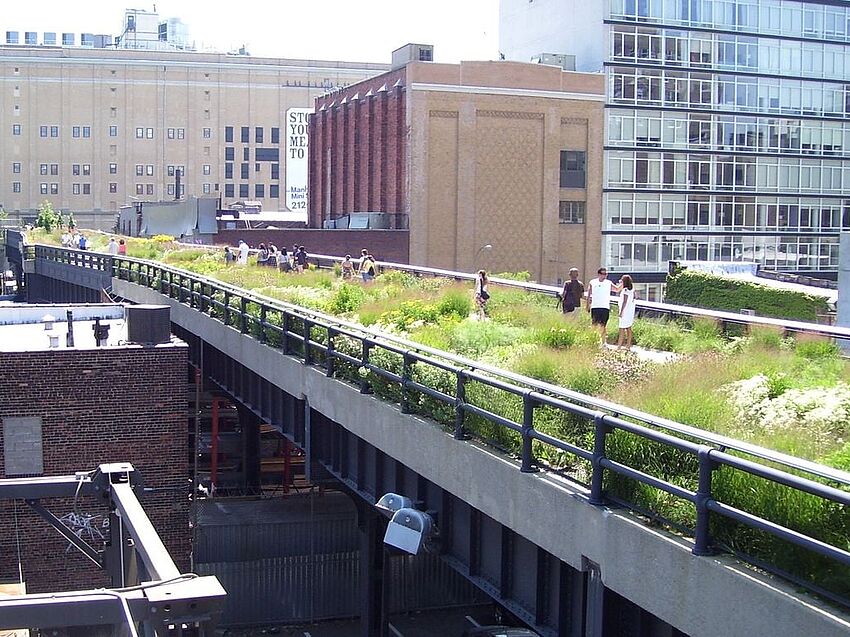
{"points": [[627, 312]]}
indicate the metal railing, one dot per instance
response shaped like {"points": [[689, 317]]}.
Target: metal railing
{"points": [[392, 367]]}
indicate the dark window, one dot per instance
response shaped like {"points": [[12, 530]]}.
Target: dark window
{"points": [[259, 191], [86, 189], [228, 134], [573, 169], [42, 131], [228, 190], [75, 131], [244, 171], [113, 131], [275, 135], [86, 131], [228, 170], [266, 154], [275, 171], [228, 153], [243, 191], [54, 131], [246, 154], [16, 129], [571, 212], [274, 191], [113, 187], [246, 135], [258, 134], [113, 169]]}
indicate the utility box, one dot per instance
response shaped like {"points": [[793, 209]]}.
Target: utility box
{"points": [[402, 56], [148, 324]]}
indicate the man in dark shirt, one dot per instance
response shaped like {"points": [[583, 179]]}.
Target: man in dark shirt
{"points": [[572, 293]]}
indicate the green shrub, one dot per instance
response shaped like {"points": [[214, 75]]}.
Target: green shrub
{"points": [[472, 338], [701, 289], [542, 364], [455, 302], [348, 297], [816, 348], [655, 334]]}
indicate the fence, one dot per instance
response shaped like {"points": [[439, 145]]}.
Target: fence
{"points": [[463, 395]]}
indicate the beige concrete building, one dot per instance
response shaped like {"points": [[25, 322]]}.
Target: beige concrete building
{"points": [[476, 154], [94, 129]]}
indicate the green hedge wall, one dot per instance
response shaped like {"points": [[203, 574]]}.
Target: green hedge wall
{"points": [[721, 293]]}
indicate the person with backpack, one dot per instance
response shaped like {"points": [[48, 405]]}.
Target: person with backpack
{"points": [[301, 259], [482, 294], [367, 268]]}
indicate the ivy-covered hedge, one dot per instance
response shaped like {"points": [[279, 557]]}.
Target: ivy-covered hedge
{"points": [[714, 292]]}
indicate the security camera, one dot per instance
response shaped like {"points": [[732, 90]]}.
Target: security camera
{"points": [[408, 530]]}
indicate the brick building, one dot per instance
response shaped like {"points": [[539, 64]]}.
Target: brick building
{"points": [[469, 155], [89, 405]]}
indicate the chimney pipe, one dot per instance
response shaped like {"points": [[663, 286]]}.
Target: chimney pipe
{"points": [[69, 339]]}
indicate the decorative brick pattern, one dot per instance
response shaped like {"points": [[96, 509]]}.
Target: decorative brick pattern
{"points": [[97, 406], [509, 114]]}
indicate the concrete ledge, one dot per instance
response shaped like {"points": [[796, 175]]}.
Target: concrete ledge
{"points": [[702, 596]]}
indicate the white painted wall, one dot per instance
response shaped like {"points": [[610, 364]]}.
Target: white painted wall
{"points": [[530, 27]]}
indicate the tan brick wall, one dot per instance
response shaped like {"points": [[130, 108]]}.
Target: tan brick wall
{"points": [[485, 166]]}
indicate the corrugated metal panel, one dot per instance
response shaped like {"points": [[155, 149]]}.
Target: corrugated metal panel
{"points": [[426, 581], [293, 589]]}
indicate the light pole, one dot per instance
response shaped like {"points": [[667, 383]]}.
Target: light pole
{"points": [[486, 246]]}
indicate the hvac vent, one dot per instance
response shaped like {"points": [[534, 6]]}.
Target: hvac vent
{"points": [[149, 324]]}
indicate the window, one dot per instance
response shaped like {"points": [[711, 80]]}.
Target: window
{"points": [[54, 169], [30, 38], [113, 112], [75, 189], [228, 170], [140, 170], [246, 136], [571, 212], [113, 169], [75, 131], [228, 190], [87, 169], [149, 133], [275, 171], [243, 191], [169, 170], [113, 187], [275, 135], [140, 133], [54, 189], [16, 167], [266, 154], [16, 186], [206, 169], [228, 134], [75, 169], [246, 154], [207, 189], [43, 188], [244, 172], [86, 131], [258, 134], [572, 169], [16, 129], [171, 133], [42, 169], [259, 191], [149, 170], [42, 131], [54, 131], [140, 189], [228, 153], [49, 38], [181, 133], [113, 131], [11, 37], [169, 189], [256, 168], [68, 39], [207, 133], [274, 191], [148, 189]]}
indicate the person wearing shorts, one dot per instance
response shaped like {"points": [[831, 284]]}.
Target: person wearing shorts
{"points": [[599, 302]]}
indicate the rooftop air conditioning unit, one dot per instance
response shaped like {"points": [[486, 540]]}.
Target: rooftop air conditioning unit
{"points": [[148, 324]]}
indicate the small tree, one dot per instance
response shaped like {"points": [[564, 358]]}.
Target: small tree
{"points": [[48, 218], [3, 214]]}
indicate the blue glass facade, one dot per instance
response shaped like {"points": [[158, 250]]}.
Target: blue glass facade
{"points": [[726, 133]]}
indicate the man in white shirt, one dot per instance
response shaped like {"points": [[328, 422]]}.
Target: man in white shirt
{"points": [[243, 253], [112, 248], [599, 302]]}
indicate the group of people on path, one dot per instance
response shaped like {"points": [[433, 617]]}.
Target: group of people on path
{"points": [[598, 303], [365, 267], [269, 256]]}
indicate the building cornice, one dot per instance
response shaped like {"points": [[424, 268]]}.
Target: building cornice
{"points": [[512, 92]]}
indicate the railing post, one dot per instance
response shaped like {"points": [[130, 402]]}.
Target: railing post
{"points": [[329, 355], [527, 426], [460, 412], [203, 299], [307, 333], [170, 284], [702, 536], [365, 388], [601, 432], [243, 315], [226, 307], [286, 325], [405, 379], [263, 312]]}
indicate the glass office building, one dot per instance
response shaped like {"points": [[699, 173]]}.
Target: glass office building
{"points": [[726, 133]]}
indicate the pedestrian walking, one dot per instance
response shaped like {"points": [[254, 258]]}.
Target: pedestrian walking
{"points": [[571, 294], [347, 268], [243, 253], [482, 293], [122, 248], [599, 302], [627, 312]]}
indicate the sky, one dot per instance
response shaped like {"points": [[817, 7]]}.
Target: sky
{"points": [[350, 30]]}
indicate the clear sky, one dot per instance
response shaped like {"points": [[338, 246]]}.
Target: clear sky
{"points": [[352, 30]]}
